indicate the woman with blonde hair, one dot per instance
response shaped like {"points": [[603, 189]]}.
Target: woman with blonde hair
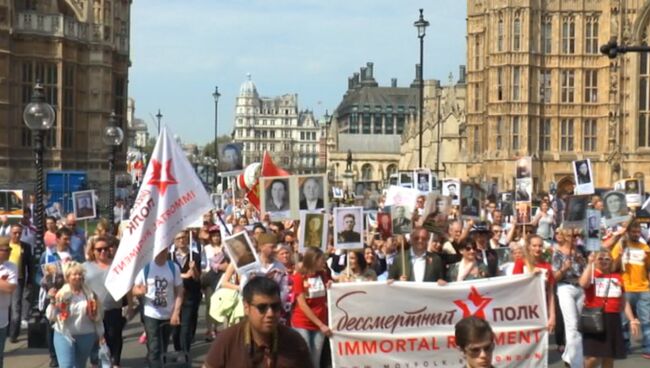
{"points": [[604, 288], [76, 314]]}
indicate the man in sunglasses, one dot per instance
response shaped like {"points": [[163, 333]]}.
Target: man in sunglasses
{"points": [[259, 340]]}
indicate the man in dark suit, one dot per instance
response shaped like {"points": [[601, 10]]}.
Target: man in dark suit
{"points": [[419, 265], [469, 204], [348, 235], [83, 207], [401, 225], [21, 256], [312, 192]]}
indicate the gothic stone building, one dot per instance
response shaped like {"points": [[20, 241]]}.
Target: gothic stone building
{"points": [[79, 49], [537, 85]]}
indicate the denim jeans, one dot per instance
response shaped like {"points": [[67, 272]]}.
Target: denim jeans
{"points": [[3, 337], [73, 353], [640, 303], [158, 332], [19, 307], [314, 340], [571, 299], [183, 335]]}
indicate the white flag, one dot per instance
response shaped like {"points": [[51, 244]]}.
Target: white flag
{"points": [[170, 198]]}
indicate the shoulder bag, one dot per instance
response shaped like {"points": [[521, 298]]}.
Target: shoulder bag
{"points": [[592, 319]]}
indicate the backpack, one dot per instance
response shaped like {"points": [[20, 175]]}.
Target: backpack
{"points": [[170, 263]]}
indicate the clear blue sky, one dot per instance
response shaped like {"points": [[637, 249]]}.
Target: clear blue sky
{"points": [[181, 49]]}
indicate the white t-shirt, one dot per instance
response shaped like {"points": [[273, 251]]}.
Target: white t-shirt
{"points": [[8, 272], [159, 298]]}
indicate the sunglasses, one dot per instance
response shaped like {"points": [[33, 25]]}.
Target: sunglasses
{"points": [[263, 307], [476, 350], [604, 259], [470, 247], [102, 249]]}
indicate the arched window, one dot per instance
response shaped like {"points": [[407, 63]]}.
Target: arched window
{"points": [[643, 131], [391, 169], [366, 172], [516, 32], [500, 33]]}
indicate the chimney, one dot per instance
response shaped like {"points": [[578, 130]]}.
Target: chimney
{"points": [[356, 80], [364, 74], [393, 82], [418, 74], [462, 72], [350, 83], [370, 67]]}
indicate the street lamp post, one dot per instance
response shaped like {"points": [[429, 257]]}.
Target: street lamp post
{"points": [[113, 137], [216, 96], [39, 117], [612, 49], [159, 116], [421, 26]]}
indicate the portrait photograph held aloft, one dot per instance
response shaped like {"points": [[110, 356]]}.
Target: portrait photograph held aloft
{"points": [[575, 212], [242, 252], [83, 203], [275, 199], [311, 192], [313, 230], [615, 208], [348, 227]]}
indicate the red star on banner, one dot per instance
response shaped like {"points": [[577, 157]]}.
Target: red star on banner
{"points": [[479, 302], [156, 178]]}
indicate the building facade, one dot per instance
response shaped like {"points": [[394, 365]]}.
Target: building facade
{"points": [[276, 125], [444, 123], [369, 123], [79, 50], [537, 85]]}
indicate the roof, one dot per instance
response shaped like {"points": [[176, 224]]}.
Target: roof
{"points": [[379, 96]]}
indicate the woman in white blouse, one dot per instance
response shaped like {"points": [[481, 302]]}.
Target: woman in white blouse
{"points": [[77, 317]]}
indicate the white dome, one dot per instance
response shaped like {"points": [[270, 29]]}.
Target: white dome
{"points": [[248, 88]]}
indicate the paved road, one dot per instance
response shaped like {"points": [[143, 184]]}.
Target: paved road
{"points": [[19, 356]]}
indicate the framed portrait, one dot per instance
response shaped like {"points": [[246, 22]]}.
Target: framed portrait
{"points": [[505, 203], [451, 189], [313, 230], [337, 193], [523, 212], [575, 212], [216, 201], [311, 192], [470, 202], [592, 230], [524, 167], [242, 252], [11, 203], [633, 192], [384, 225], [276, 197], [615, 208], [406, 179], [401, 219], [423, 180], [348, 227], [83, 204], [524, 190], [583, 176], [230, 157]]}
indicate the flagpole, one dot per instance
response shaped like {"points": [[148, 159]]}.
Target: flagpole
{"points": [[191, 258]]}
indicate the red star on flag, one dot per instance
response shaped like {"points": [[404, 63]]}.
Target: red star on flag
{"points": [[156, 178], [479, 303]]}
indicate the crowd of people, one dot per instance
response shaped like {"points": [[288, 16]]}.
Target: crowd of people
{"points": [[276, 314]]}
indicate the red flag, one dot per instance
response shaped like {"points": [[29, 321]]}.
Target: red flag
{"points": [[268, 169]]}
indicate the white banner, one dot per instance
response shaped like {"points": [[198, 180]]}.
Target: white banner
{"points": [[417, 328], [171, 197]]}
